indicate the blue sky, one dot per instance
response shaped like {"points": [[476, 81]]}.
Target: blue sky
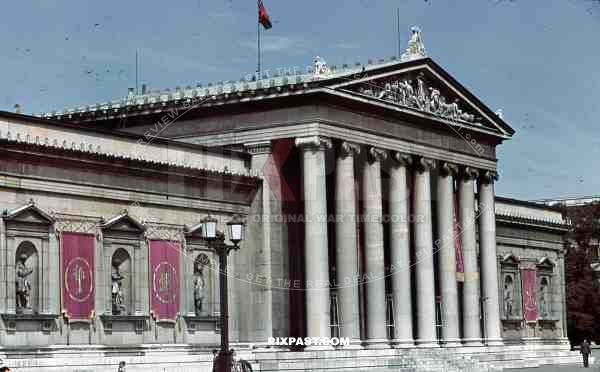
{"points": [[537, 60]]}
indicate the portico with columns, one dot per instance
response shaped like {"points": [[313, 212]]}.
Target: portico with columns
{"points": [[409, 205], [376, 215]]}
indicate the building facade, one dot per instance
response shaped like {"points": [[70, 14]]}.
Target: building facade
{"points": [[371, 213]]}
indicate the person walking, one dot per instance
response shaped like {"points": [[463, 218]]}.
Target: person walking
{"points": [[585, 350], [3, 366]]}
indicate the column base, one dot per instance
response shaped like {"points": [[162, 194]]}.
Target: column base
{"points": [[355, 344], [494, 342], [403, 343], [423, 343], [451, 342], [472, 342], [377, 343], [319, 348]]}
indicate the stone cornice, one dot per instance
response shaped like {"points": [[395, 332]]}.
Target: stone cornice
{"points": [[259, 148], [313, 143], [242, 176], [141, 152]]}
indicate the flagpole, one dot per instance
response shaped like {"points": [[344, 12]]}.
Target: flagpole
{"points": [[398, 31], [258, 68]]}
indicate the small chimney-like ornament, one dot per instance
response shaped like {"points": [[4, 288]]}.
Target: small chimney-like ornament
{"points": [[416, 47], [18, 109]]}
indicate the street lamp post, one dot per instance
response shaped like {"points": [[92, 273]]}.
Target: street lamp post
{"points": [[236, 230]]}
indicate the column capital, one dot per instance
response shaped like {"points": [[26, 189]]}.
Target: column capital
{"points": [[402, 159], [348, 149], [313, 142], [376, 154], [469, 173], [488, 177], [256, 148], [424, 164], [448, 169]]}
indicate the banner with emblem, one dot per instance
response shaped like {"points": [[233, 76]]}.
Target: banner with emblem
{"points": [[77, 252], [530, 307], [164, 275]]}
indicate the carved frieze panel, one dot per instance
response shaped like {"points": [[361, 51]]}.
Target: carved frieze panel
{"points": [[418, 92]]}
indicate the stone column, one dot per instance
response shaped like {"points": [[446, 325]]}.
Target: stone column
{"points": [[374, 259], [489, 263], [258, 324], [316, 263], [346, 243], [424, 268], [400, 250], [447, 254], [471, 313]]}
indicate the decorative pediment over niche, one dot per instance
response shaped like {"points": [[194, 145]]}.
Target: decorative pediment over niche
{"points": [[29, 213], [422, 91], [546, 263], [123, 223], [510, 259]]}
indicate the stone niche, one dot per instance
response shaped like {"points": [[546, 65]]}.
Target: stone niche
{"points": [[122, 277], [31, 251], [200, 288]]}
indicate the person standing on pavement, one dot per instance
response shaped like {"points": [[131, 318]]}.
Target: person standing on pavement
{"points": [[585, 351]]}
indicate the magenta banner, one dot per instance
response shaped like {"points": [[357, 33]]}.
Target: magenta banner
{"points": [[530, 308], [164, 273], [78, 275]]}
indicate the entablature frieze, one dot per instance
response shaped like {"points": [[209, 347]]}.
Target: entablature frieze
{"points": [[309, 131]]}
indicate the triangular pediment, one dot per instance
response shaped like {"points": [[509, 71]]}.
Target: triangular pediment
{"points": [[194, 231], [123, 222], [510, 259], [29, 213], [424, 89]]}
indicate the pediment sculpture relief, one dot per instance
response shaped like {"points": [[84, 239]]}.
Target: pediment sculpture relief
{"points": [[417, 95]]}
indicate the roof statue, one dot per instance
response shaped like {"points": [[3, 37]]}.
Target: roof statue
{"points": [[416, 47], [320, 67]]}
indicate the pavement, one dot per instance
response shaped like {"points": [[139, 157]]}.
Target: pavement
{"points": [[578, 367]]}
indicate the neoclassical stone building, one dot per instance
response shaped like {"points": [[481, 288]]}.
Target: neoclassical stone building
{"points": [[371, 213]]}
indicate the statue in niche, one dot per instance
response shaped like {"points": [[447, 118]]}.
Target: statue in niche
{"points": [[200, 284], [118, 300], [199, 294], [23, 285], [508, 297], [543, 301]]}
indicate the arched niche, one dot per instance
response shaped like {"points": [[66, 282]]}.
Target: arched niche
{"points": [[121, 289], [27, 278]]}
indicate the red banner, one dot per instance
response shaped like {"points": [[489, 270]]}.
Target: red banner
{"points": [[78, 275], [164, 273], [530, 308], [460, 265]]}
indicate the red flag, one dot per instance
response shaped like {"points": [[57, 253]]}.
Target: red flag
{"points": [[263, 16]]}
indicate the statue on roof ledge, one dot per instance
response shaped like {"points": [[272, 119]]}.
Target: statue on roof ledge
{"points": [[416, 47], [320, 67]]}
